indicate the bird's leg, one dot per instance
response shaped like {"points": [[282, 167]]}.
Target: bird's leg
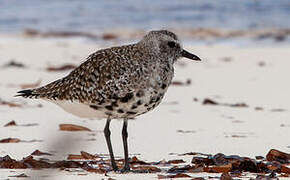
{"points": [[107, 133], [126, 167]]}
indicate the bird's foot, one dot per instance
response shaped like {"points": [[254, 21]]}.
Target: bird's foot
{"points": [[115, 167], [126, 169]]}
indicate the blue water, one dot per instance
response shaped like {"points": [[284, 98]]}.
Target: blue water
{"points": [[94, 15]]}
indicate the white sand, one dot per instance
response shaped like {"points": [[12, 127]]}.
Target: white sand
{"points": [[155, 134]]}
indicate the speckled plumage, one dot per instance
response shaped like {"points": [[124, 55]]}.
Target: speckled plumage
{"points": [[117, 80], [118, 83]]}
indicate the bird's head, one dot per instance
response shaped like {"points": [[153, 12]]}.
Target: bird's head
{"points": [[164, 43]]}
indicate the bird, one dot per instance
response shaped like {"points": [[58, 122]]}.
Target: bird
{"points": [[120, 82]]}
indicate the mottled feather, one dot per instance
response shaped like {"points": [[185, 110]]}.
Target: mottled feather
{"points": [[120, 82]]}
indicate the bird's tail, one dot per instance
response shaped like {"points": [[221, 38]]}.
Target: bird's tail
{"points": [[27, 93]]}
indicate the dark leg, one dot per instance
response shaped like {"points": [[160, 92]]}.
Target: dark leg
{"points": [[125, 144], [107, 133]]}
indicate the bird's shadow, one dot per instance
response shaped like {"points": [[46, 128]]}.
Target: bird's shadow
{"points": [[60, 145]]}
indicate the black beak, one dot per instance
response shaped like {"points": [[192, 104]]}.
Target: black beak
{"points": [[188, 55]]}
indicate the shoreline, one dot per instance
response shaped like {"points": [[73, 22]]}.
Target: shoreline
{"points": [[199, 35]]}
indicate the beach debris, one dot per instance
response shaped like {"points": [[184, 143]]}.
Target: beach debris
{"points": [[284, 125], [208, 101], [179, 175], [72, 127], [261, 63], [221, 163], [9, 163], [135, 161], [31, 32], [28, 125], [237, 136], [99, 170], [237, 105], [176, 161], [202, 160], [13, 63], [259, 157], [276, 155], [20, 176], [285, 169], [87, 155], [74, 157], [39, 153], [60, 34], [271, 176], [64, 67], [180, 83], [13, 104], [185, 131], [259, 108], [66, 164], [186, 168], [10, 140], [145, 169], [229, 166], [11, 123], [278, 110], [227, 59], [226, 176], [195, 154], [109, 36], [210, 33], [30, 162], [279, 35], [83, 155], [10, 104]]}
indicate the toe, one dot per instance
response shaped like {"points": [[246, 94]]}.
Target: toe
{"points": [[125, 169]]}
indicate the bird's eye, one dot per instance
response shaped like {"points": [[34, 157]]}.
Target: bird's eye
{"points": [[171, 44]]}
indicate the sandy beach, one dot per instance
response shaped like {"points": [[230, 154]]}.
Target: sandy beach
{"points": [[235, 102]]}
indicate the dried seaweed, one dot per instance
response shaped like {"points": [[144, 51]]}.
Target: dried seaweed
{"points": [[72, 127]]}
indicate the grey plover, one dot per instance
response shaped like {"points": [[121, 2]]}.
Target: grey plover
{"points": [[118, 83]]}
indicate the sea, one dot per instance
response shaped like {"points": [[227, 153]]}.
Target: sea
{"points": [[96, 15]]}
